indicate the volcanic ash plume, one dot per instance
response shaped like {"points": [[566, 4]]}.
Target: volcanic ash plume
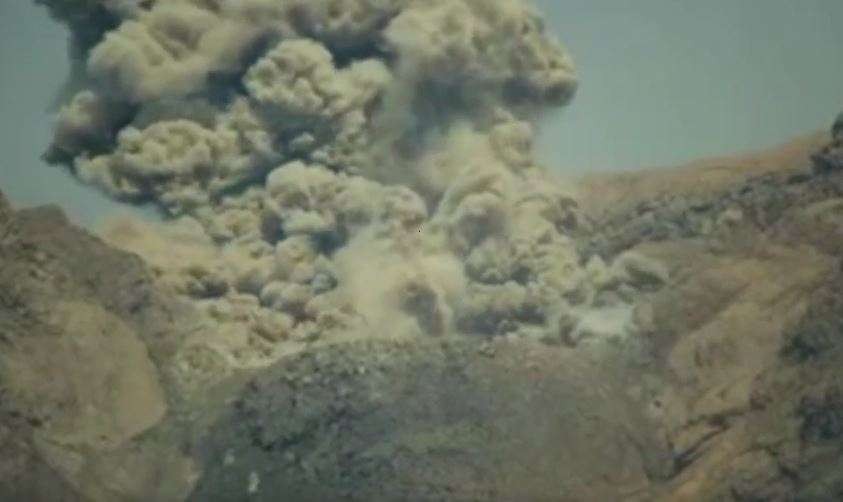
{"points": [[331, 167]]}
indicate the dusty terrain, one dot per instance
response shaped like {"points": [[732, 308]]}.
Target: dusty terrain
{"points": [[733, 392], [748, 334]]}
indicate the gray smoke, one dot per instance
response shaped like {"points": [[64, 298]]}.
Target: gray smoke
{"points": [[336, 167]]}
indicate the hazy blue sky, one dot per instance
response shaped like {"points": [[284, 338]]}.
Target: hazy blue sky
{"points": [[33, 66], [662, 81]]}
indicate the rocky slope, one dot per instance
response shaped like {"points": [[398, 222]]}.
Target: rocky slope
{"points": [[748, 336], [83, 333], [734, 392]]}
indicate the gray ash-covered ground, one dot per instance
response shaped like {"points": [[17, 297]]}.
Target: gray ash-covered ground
{"points": [[442, 420]]}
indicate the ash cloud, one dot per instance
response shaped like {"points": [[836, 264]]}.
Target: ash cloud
{"points": [[334, 166]]}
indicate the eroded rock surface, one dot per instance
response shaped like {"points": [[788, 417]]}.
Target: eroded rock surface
{"points": [[748, 333], [83, 332]]}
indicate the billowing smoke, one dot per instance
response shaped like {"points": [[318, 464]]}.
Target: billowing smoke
{"points": [[337, 166]]}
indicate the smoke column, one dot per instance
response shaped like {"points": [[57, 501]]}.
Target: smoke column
{"points": [[336, 167]]}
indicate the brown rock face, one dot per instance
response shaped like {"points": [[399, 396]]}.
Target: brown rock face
{"points": [[748, 334], [90, 365], [81, 329]]}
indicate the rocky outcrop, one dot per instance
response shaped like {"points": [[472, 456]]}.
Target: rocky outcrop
{"points": [[83, 332], [748, 334], [830, 158]]}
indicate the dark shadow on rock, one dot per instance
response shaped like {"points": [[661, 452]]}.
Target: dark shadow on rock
{"points": [[438, 420]]}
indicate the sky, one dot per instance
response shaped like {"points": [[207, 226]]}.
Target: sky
{"points": [[661, 82], [667, 81], [33, 67]]}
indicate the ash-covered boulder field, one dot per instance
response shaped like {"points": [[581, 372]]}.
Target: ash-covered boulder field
{"points": [[364, 287]]}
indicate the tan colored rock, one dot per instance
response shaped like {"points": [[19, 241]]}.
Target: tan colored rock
{"points": [[92, 378], [716, 362], [704, 177], [146, 471]]}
